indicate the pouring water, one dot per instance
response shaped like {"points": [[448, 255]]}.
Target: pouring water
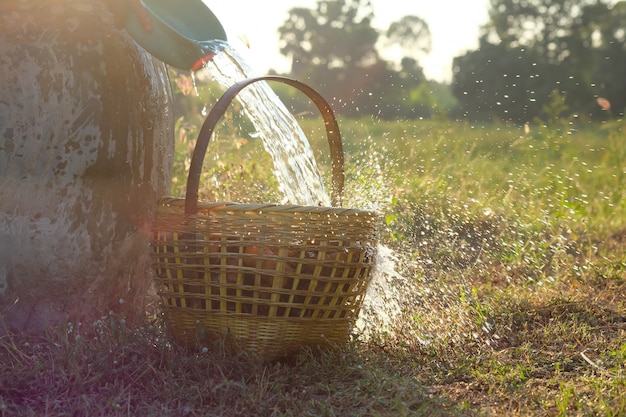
{"points": [[294, 163]]}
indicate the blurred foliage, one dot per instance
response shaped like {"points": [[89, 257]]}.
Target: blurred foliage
{"points": [[527, 50], [335, 48], [532, 47]]}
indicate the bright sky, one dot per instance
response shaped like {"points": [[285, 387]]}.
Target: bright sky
{"points": [[454, 26]]}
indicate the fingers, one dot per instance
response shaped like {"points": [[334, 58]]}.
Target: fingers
{"points": [[142, 14], [121, 9], [118, 9]]}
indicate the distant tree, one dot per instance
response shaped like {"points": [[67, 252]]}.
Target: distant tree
{"points": [[609, 69], [499, 82], [546, 26], [412, 34], [333, 46], [532, 47], [337, 34], [561, 32]]}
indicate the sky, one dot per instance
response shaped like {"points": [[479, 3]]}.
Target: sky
{"points": [[454, 27]]}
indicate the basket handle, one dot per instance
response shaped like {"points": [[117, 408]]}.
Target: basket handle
{"points": [[330, 122]]}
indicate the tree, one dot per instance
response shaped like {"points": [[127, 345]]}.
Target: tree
{"points": [[546, 26], [610, 62], [337, 34], [334, 47], [505, 83], [532, 47], [412, 34], [561, 32]]}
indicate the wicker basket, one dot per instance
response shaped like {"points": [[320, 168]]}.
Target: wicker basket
{"points": [[265, 279]]}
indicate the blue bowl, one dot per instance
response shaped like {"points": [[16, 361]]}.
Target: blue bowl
{"points": [[184, 34]]}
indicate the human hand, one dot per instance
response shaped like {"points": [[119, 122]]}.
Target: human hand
{"points": [[121, 9]]}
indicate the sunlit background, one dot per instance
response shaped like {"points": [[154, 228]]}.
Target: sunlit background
{"points": [[454, 27]]}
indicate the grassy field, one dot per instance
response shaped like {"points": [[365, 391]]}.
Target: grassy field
{"points": [[512, 245]]}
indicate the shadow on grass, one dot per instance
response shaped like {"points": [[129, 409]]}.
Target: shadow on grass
{"points": [[110, 370]]}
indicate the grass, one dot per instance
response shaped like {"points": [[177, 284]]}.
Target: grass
{"points": [[513, 247]]}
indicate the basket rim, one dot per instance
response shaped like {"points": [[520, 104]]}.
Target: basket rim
{"points": [[225, 206]]}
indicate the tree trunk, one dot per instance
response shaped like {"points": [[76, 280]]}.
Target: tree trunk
{"points": [[86, 143]]}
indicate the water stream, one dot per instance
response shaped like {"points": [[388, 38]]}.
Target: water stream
{"points": [[294, 162]]}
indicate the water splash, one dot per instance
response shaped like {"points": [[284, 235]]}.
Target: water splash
{"points": [[382, 306], [294, 162]]}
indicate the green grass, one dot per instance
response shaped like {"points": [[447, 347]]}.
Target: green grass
{"points": [[513, 245]]}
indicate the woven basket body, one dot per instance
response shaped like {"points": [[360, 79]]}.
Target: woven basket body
{"points": [[265, 279]]}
